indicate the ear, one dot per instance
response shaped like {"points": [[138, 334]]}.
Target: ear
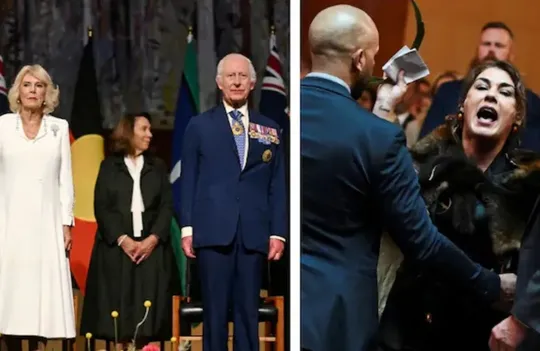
{"points": [[359, 59], [252, 85], [218, 83]]}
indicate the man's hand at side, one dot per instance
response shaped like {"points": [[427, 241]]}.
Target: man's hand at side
{"points": [[187, 246]]}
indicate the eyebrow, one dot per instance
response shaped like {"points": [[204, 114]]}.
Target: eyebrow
{"points": [[495, 41], [502, 85]]}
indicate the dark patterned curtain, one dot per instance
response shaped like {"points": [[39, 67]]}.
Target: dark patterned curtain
{"points": [[139, 46]]}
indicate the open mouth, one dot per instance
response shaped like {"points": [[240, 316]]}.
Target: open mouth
{"points": [[487, 114]]}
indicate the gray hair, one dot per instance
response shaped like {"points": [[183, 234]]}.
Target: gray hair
{"points": [[252, 71]]}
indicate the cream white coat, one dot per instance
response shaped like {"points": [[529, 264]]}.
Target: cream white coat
{"points": [[36, 200]]}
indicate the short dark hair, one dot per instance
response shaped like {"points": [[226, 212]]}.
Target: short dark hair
{"points": [[498, 25], [372, 93], [122, 135], [520, 93]]}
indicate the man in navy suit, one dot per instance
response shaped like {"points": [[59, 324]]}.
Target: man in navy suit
{"points": [[358, 180], [496, 42], [233, 212]]}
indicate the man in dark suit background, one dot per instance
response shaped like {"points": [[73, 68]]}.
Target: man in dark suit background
{"points": [[496, 42], [233, 198], [357, 180]]}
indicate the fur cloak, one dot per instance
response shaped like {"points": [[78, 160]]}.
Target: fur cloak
{"points": [[452, 185]]}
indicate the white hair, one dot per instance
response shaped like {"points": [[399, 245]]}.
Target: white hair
{"points": [[252, 72]]}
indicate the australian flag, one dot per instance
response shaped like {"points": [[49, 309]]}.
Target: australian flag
{"points": [[4, 106], [273, 94]]}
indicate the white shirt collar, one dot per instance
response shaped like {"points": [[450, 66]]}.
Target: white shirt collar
{"points": [[135, 163], [243, 109]]}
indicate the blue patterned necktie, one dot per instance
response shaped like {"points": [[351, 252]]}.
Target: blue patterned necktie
{"points": [[239, 135]]}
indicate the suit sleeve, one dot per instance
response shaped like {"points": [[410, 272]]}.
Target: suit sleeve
{"points": [[408, 223], [188, 175], [527, 305], [162, 225], [67, 197], [278, 195], [527, 301], [436, 114], [108, 218]]}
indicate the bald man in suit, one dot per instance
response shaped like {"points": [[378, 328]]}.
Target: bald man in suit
{"points": [[358, 179]]}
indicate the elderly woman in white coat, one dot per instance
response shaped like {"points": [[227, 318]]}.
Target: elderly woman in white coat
{"points": [[36, 213]]}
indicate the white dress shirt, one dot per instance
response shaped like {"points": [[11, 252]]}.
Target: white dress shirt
{"points": [[188, 231]]}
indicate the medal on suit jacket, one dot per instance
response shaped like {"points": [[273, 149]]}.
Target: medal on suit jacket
{"points": [[237, 128], [263, 134], [267, 156]]}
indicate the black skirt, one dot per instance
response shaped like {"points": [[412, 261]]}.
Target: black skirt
{"points": [[115, 283]]}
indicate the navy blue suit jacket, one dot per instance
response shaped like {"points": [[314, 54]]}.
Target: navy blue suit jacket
{"points": [[218, 197], [527, 301], [357, 180], [446, 100]]}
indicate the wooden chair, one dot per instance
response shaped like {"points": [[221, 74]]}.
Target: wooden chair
{"points": [[189, 309]]}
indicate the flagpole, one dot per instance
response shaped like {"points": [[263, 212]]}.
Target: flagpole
{"points": [[272, 36]]}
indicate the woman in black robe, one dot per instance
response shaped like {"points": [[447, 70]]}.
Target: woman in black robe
{"points": [[479, 188], [132, 259]]}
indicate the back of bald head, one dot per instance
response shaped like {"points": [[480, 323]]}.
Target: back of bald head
{"points": [[341, 30]]}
